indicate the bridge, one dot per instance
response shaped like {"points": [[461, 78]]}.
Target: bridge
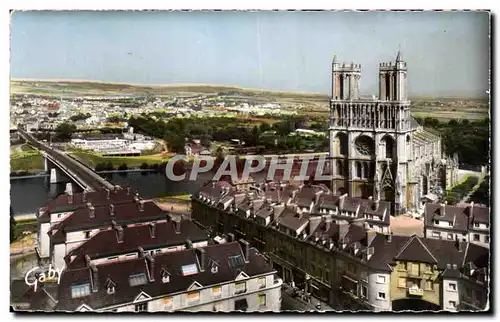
{"points": [[64, 168]]}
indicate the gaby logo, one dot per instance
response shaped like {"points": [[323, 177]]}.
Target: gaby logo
{"points": [[41, 275]]}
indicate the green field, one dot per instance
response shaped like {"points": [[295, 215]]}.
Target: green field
{"points": [[92, 159], [25, 160]]}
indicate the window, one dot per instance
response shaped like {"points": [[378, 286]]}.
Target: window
{"points": [[436, 222], [236, 261], [217, 291], [218, 307], [452, 287], [452, 304], [137, 279], [143, 307], [111, 289], [214, 269], [402, 282], [80, 290], [428, 268], [165, 279], [476, 237], [364, 276], [450, 236], [381, 279], [468, 292], [262, 282], [86, 234], [476, 224], [381, 296], [189, 269], [436, 234], [351, 268], [167, 301], [240, 287], [262, 300], [402, 266], [371, 226], [193, 297], [364, 291], [415, 268], [486, 239], [429, 285]]}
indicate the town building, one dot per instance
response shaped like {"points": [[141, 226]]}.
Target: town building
{"points": [[219, 277], [57, 209], [324, 244], [377, 148], [465, 222], [68, 228]]}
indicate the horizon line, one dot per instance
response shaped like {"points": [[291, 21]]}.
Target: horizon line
{"points": [[60, 80]]}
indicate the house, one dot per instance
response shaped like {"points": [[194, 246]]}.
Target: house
{"points": [[220, 277]]}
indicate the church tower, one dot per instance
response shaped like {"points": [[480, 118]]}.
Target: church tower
{"points": [[370, 138]]}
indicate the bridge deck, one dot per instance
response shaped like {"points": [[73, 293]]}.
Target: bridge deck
{"points": [[82, 173]]}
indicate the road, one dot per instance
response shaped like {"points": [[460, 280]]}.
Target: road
{"points": [[289, 303]]}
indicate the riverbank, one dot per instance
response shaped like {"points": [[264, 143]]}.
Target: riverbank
{"points": [[93, 160]]}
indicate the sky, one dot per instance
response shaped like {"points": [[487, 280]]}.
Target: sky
{"points": [[447, 53]]}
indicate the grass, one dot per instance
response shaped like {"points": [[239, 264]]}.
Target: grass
{"points": [[30, 160], [92, 159]]}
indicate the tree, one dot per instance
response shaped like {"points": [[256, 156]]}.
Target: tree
{"points": [[13, 231], [64, 131], [123, 166]]}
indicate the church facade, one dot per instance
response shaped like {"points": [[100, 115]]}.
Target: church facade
{"points": [[377, 149]]}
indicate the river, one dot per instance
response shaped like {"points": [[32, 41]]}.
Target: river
{"points": [[28, 194]]}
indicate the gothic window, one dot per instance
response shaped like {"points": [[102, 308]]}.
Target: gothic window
{"points": [[358, 169], [366, 170], [342, 143], [339, 168], [364, 146]]}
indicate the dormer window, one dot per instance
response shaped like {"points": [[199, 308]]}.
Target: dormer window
{"points": [[111, 289], [165, 276], [214, 269]]}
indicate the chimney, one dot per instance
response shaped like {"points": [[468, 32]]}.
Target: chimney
{"points": [[119, 234], [328, 222], [189, 244], [448, 266], [70, 196], [443, 209], [142, 254], [128, 191], [455, 266], [202, 255], [150, 265], [111, 210], [95, 277], [343, 230], [87, 260], [369, 252], [388, 237], [177, 225], [141, 205], [107, 193], [246, 249], [370, 236], [471, 210], [91, 211], [152, 229]]}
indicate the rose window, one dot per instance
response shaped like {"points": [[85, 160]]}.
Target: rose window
{"points": [[364, 145]]}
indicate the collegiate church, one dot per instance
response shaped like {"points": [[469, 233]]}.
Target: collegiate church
{"points": [[377, 149]]}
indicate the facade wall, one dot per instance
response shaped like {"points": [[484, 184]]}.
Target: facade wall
{"points": [[44, 240], [224, 301], [451, 298], [376, 285], [425, 277]]}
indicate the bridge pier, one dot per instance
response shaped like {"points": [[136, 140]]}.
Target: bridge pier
{"points": [[57, 176]]}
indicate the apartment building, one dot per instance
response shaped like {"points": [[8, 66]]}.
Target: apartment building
{"points": [[59, 208], [117, 243], [220, 277], [82, 224], [324, 246], [466, 222]]}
